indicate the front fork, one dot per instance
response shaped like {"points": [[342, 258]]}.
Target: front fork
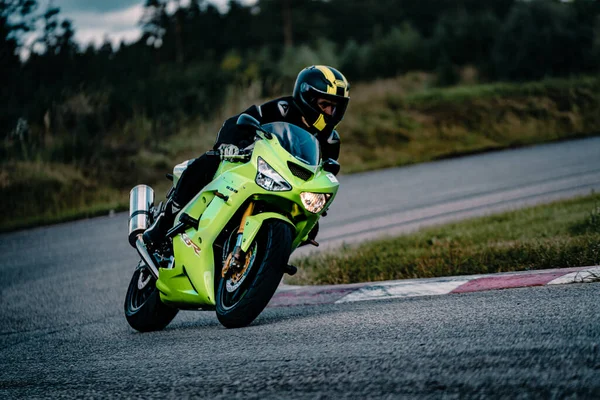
{"points": [[237, 257]]}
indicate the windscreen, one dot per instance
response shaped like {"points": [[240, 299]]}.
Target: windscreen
{"points": [[296, 141]]}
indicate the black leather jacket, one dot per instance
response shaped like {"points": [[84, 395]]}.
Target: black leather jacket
{"points": [[282, 109]]}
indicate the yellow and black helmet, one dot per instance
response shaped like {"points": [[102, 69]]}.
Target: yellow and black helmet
{"points": [[321, 82]]}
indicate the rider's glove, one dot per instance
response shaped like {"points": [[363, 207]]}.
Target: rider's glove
{"points": [[228, 150]]}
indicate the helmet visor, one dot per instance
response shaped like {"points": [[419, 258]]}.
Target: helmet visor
{"points": [[333, 107]]}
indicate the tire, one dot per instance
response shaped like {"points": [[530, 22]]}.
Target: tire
{"points": [[273, 246], [144, 310]]}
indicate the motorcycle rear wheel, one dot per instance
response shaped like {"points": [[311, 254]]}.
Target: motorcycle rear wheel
{"points": [[144, 310], [238, 307]]}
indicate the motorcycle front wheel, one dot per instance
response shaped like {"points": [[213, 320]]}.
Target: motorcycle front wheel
{"points": [[144, 310], [241, 297]]}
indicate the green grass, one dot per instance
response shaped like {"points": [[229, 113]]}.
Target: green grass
{"points": [[36, 193], [43, 193], [502, 89], [393, 126], [561, 234]]}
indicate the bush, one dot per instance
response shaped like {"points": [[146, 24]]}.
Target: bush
{"points": [[538, 39], [461, 39], [397, 52], [295, 59], [354, 60], [446, 72]]}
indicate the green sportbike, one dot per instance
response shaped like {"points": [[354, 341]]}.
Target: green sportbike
{"points": [[230, 245]]}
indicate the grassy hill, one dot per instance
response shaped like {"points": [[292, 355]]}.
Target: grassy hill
{"points": [[389, 123]]}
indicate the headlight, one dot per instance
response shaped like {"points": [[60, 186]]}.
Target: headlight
{"points": [[314, 202], [267, 178]]}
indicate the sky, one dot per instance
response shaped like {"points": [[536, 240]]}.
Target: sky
{"points": [[117, 20]]}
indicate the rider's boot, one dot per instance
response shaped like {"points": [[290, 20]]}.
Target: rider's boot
{"points": [[155, 234]]}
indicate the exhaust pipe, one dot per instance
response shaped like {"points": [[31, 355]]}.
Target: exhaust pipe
{"points": [[146, 257], [141, 199]]}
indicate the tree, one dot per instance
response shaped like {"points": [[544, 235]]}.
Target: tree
{"points": [[539, 39], [154, 23], [179, 17], [397, 52], [16, 18], [287, 24], [53, 60], [464, 38], [50, 35]]}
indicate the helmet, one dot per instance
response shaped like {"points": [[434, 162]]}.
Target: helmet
{"points": [[321, 82]]}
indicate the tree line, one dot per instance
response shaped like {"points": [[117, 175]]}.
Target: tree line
{"points": [[185, 59]]}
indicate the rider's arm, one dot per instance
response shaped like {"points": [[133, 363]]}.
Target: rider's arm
{"points": [[230, 133], [330, 146], [274, 110]]}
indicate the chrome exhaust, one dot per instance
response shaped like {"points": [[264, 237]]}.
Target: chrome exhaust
{"points": [[141, 199]]}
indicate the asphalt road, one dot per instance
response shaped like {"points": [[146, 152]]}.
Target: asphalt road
{"points": [[519, 343], [63, 332], [399, 200]]}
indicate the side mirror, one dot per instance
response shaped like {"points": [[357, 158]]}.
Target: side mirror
{"points": [[330, 165], [249, 122]]}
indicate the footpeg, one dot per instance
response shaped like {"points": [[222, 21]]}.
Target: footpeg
{"points": [[290, 270], [185, 222]]}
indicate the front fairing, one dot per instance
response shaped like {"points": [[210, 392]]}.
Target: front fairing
{"points": [[242, 179], [295, 155]]}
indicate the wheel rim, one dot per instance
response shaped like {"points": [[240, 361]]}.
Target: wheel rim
{"points": [[236, 284], [142, 289], [235, 280]]}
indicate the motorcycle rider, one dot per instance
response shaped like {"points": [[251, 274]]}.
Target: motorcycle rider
{"points": [[318, 104]]}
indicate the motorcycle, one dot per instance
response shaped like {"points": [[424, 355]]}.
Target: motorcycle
{"points": [[229, 246]]}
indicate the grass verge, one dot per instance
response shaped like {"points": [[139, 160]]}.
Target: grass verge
{"points": [[44, 193], [389, 125], [556, 235]]}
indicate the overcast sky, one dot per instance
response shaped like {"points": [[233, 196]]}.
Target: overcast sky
{"points": [[116, 19]]}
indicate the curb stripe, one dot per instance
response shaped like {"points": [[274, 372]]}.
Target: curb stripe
{"points": [[287, 295], [587, 275], [401, 290], [505, 282]]}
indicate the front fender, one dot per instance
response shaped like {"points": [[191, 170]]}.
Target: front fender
{"points": [[253, 224]]}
